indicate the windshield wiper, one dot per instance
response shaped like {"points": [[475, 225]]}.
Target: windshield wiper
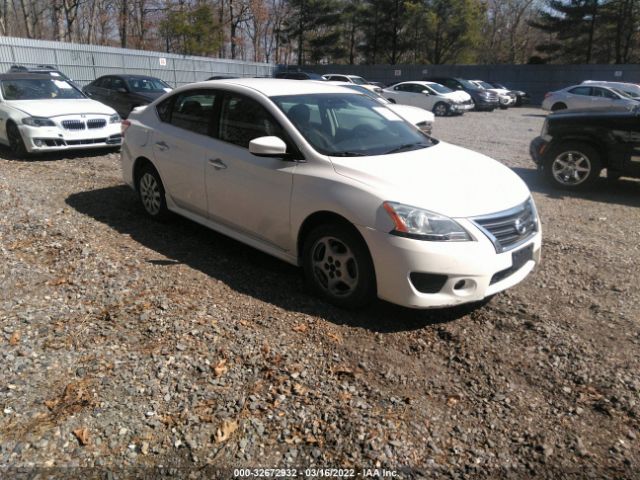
{"points": [[407, 146], [346, 154]]}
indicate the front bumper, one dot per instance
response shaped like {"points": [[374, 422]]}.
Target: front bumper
{"points": [[471, 270], [483, 103], [48, 139], [462, 107], [537, 149]]}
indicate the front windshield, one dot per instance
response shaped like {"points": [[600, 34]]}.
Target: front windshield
{"points": [[439, 88], [147, 85], [484, 84], [367, 92], [467, 84], [38, 89], [349, 124], [358, 80]]}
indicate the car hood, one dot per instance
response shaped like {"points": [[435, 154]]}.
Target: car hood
{"points": [[411, 114], [445, 179], [57, 107], [457, 96]]}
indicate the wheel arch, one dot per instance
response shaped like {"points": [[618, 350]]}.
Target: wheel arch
{"points": [[138, 165], [323, 217]]}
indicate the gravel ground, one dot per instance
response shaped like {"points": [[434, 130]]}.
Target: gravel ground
{"points": [[127, 344]]}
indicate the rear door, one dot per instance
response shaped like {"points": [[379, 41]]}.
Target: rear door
{"points": [[579, 97], [181, 145], [410, 94], [248, 193]]}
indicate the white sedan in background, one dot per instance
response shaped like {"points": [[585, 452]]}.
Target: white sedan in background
{"points": [[338, 184], [39, 113], [430, 96], [355, 79], [421, 118], [588, 97]]}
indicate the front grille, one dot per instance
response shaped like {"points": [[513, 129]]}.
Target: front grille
{"points": [[86, 141], [510, 228], [73, 124], [96, 123]]}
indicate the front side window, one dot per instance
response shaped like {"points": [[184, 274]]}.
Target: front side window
{"points": [[601, 92], [117, 83], [242, 119], [191, 110], [349, 124], [45, 88], [581, 91]]}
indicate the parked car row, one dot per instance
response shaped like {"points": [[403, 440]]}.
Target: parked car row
{"points": [[441, 95]]}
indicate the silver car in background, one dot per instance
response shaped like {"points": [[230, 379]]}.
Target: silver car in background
{"points": [[588, 97]]}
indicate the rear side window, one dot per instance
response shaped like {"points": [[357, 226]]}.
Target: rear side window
{"points": [[193, 111], [116, 83], [105, 82], [581, 91], [243, 119]]}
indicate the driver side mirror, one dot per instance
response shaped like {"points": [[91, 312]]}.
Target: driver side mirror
{"points": [[268, 147], [426, 92]]}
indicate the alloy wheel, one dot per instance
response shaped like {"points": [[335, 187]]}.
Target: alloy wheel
{"points": [[571, 168], [334, 266], [150, 194]]}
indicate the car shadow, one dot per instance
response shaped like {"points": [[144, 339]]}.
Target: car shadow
{"points": [[622, 191], [243, 268], [7, 154], [537, 115]]}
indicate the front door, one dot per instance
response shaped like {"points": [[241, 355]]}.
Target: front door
{"points": [[248, 193]]}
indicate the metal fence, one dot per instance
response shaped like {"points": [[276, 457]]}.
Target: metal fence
{"points": [[535, 79], [85, 63]]}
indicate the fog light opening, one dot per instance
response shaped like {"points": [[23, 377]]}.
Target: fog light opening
{"points": [[38, 142], [460, 284]]}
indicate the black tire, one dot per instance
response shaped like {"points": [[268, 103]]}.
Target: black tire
{"points": [[338, 267], [16, 144], [441, 109], [558, 106], [572, 166], [151, 193]]}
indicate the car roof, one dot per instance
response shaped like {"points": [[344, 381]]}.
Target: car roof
{"points": [[21, 76], [272, 87]]}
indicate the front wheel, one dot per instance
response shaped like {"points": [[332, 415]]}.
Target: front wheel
{"points": [[338, 267], [572, 166], [441, 109], [152, 195], [16, 143]]}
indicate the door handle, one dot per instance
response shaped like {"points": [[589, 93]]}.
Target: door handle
{"points": [[162, 146], [217, 164]]}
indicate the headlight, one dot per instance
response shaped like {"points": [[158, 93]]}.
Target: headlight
{"points": [[115, 118], [38, 122], [422, 224]]}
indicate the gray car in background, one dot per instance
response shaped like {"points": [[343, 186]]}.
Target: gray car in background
{"points": [[588, 97]]}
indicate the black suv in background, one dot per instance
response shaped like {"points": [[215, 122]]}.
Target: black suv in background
{"points": [[482, 99], [574, 146]]}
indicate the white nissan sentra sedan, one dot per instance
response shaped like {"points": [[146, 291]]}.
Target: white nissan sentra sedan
{"points": [[39, 113], [333, 181]]}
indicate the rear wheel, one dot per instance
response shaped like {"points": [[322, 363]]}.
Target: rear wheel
{"points": [[152, 194], [558, 106], [338, 267], [15, 141], [572, 166], [441, 109]]}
